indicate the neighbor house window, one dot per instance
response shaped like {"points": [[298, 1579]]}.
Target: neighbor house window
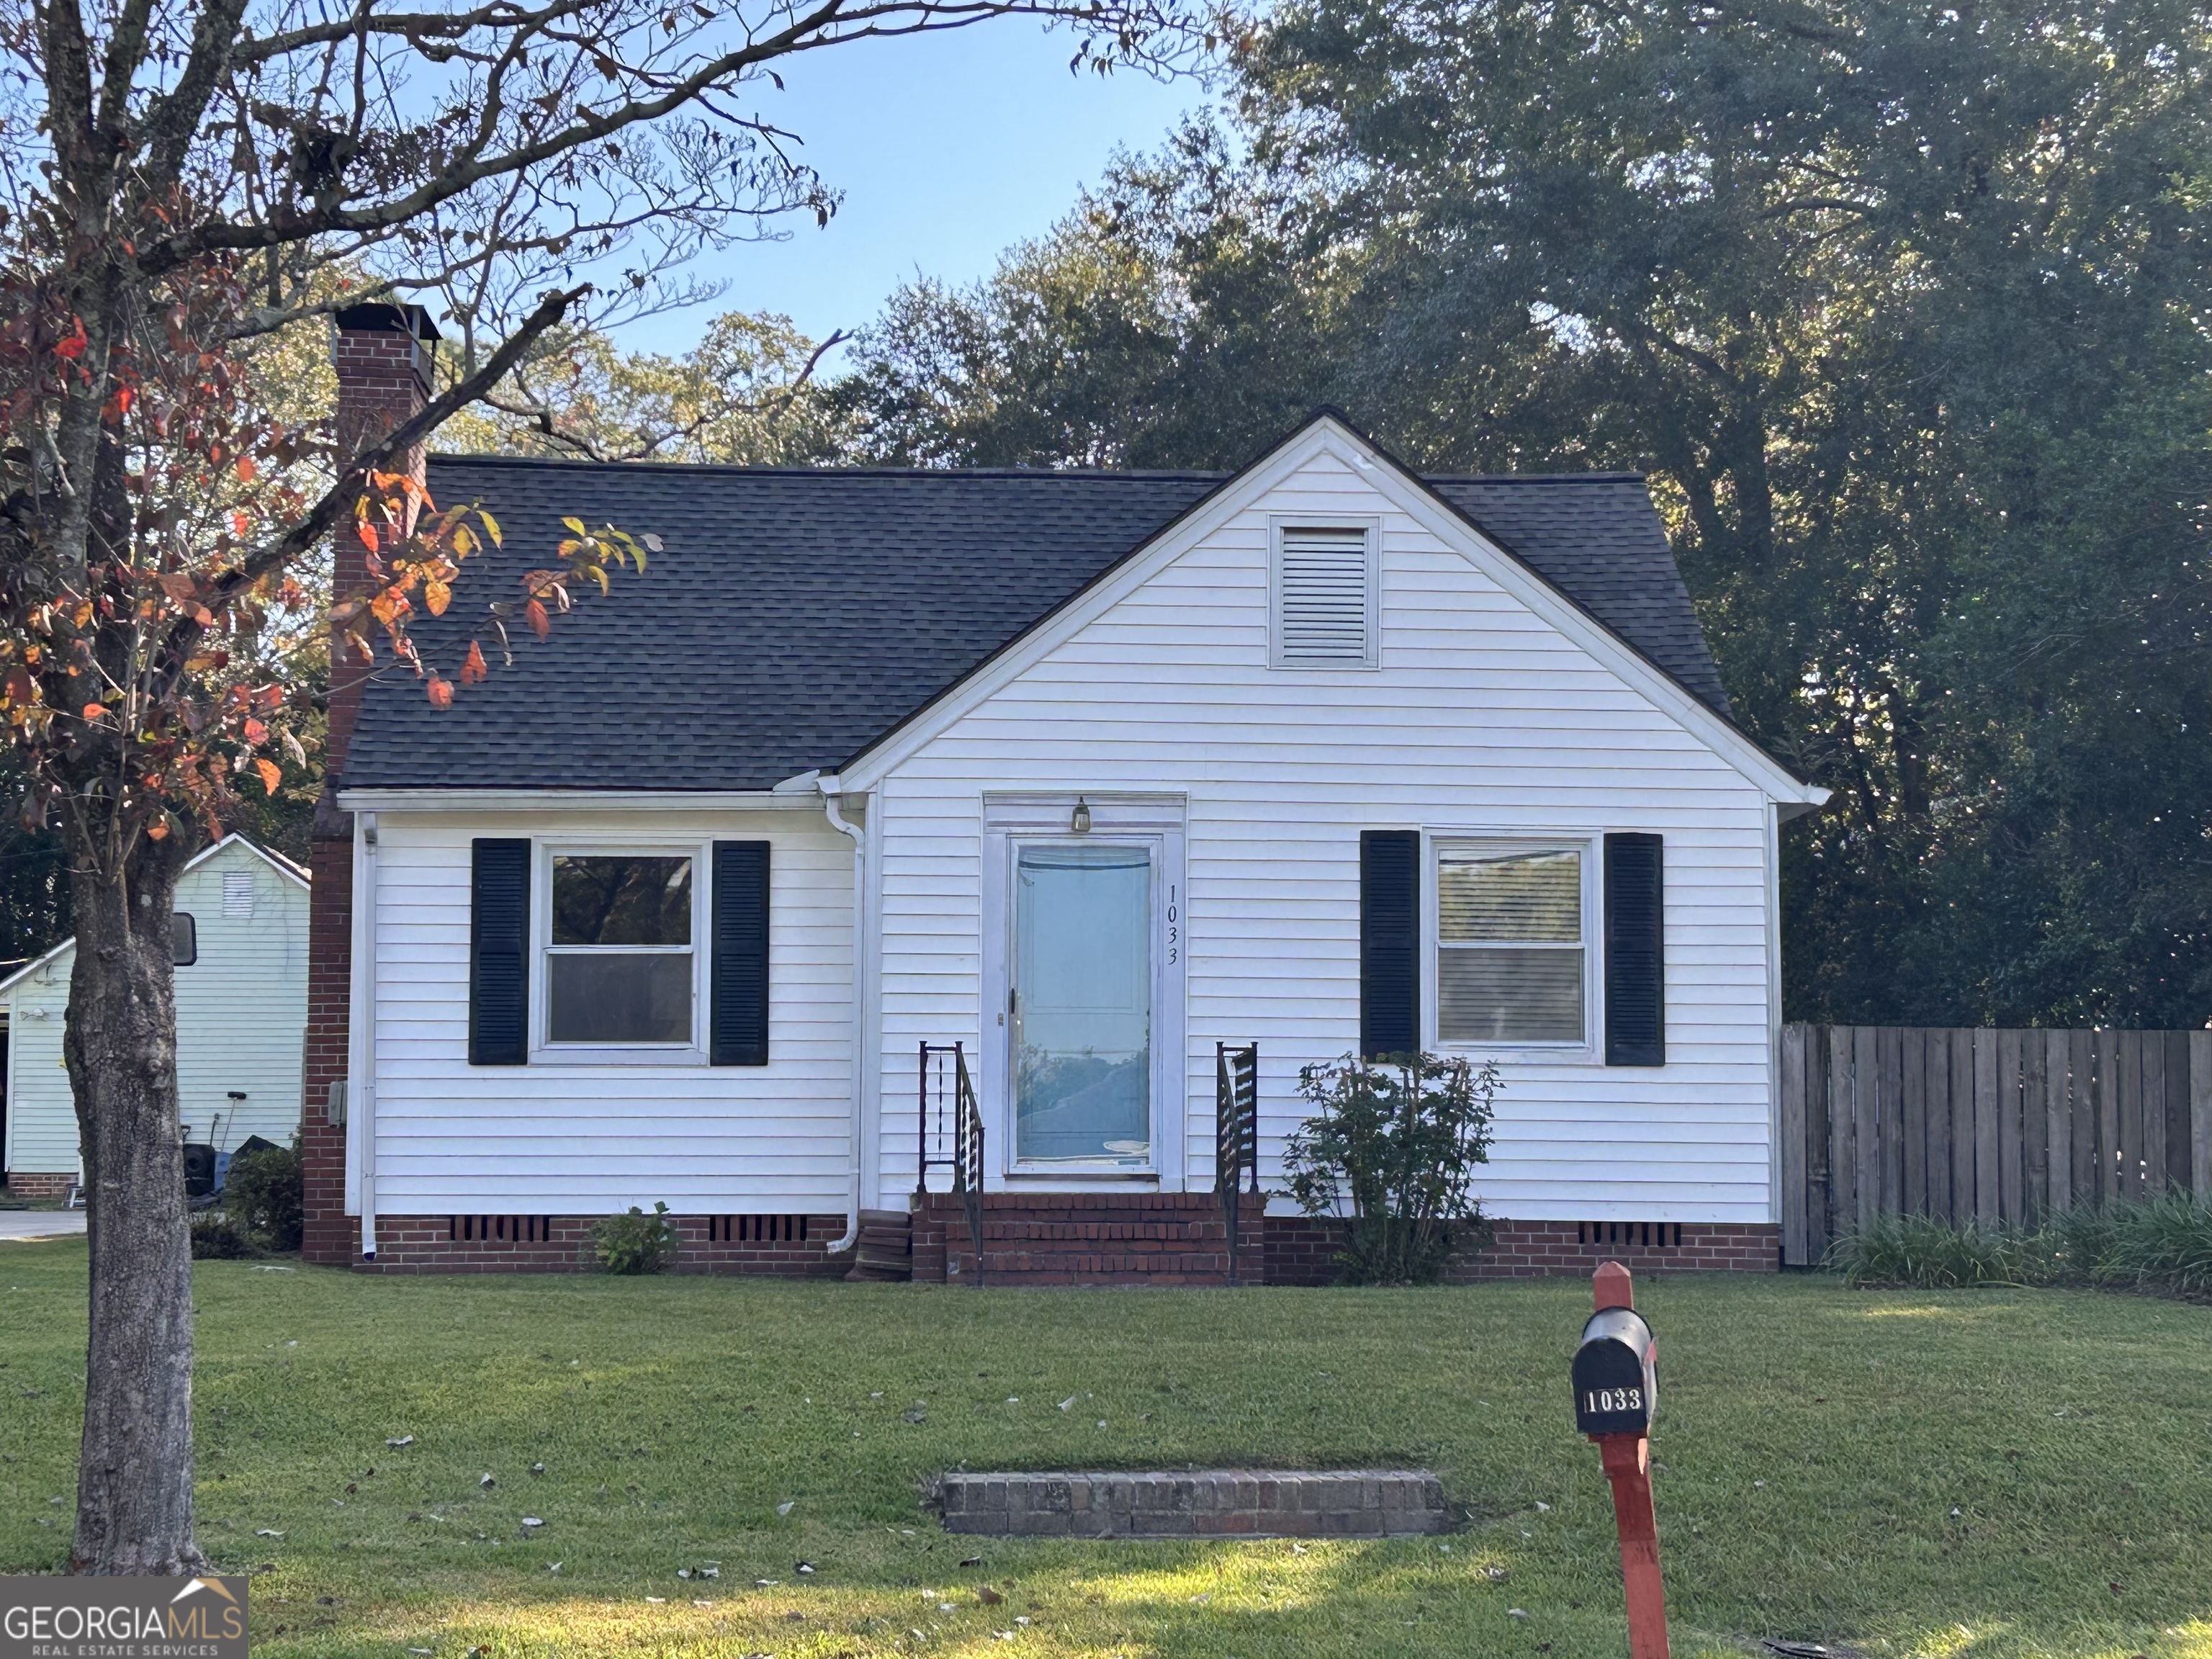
{"points": [[1510, 945], [184, 939], [619, 963]]}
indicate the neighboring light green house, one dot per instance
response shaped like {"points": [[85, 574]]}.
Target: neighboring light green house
{"points": [[241, 1018]]}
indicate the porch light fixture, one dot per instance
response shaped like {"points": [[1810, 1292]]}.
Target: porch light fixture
{"points": [[1078, 821]]}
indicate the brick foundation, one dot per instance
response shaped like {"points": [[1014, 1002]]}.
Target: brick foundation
{"points": [[32, 1183], [1303, 1252], [1201, 1504], [1089, 1238], [778, 1247]]}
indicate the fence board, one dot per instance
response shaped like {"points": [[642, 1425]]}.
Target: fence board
{"points": [[2176, 1109], [2034, 1126], [1982, 1125], [2010, 1207], [2200, 1113], [2058, 1122], [2154, 1118], [1912, 1118], [1792, 1162], [2105, 1055], [1986, 1190], [1866, 1118], [1843, 1151], [1938, 1057], [1960, 1126], [2131, 1115], [2082, 1051]]}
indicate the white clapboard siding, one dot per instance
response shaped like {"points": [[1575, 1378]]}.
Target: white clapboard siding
{"points": [[242, 1017], [1481, 716], [567, 1139]]}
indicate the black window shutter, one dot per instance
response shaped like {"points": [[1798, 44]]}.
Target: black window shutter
{"points": [[1389, 941], [499, 953], [738, 972], [1635, 950]]}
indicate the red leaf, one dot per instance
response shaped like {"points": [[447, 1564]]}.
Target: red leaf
{"points": [[540, 624], [442, 693], [73, 346], [271, 774], [256, 733], [473, 671], [246, 469], [92, 711]]}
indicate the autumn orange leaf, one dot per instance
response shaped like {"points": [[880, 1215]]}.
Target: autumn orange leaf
{"points": [[92, 711], [442, 693], [438, 595], [473, 671], [271, 774], [157, 830], [246, 469], [256, 733], [540, 624]]}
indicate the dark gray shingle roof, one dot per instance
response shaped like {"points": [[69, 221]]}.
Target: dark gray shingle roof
{"points": [[796, 616]]}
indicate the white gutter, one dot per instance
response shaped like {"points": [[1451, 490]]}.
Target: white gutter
{"points": [[360, 1087], [829, 789]]}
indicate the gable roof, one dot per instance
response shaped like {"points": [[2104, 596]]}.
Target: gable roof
{"points": [[277, 861], [797, 615]]}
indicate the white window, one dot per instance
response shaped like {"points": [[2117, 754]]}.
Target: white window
{"points": [[621, 968], [1512, 944], [1323, 596]]}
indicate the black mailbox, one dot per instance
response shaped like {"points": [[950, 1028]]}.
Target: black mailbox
{"points": [[1614, 1392]]}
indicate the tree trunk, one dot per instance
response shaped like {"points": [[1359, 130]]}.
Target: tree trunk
{"points": [[134, 1503]]}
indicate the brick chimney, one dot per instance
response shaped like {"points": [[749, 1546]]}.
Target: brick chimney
{"points": [[382, 353]]}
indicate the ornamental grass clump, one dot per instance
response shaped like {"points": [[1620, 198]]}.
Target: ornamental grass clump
{"points": [[1919, 1251], [635, 1243], [1391, 1149], [2163, 1245]]}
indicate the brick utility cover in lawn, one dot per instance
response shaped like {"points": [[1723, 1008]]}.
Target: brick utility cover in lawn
{"points": [[1984, 1473]]}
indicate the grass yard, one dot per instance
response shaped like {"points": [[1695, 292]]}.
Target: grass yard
{"points": [[1986, 1472]]}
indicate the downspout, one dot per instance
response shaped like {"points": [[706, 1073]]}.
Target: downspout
{"points": [[830, 789], [361, 1103]]}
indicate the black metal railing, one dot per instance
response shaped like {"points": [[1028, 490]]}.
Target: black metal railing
{"points": [[1236, 1133], [949, 1121]]}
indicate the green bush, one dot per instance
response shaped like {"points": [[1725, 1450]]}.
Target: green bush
{"points": [[265, 1193], [635, 1243], [1392, 1147], [2163, 1246], [219, 1238]]}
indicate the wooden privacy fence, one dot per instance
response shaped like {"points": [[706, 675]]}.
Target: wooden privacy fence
{"points": [[1983, 1125]]}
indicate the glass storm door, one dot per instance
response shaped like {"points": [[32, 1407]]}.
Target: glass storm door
{"points": [[1083, 1004]]}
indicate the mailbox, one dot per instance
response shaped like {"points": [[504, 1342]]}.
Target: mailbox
{"points": [[1615, 1390]]}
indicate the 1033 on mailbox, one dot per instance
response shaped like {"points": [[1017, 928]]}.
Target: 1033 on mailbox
{"points": [[1614, 1388]]}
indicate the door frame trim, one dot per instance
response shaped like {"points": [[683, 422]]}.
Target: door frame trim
{"points": [[1118, 815]]}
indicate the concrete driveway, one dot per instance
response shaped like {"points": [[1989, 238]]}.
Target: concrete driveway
{"points": [[32, 1224]]}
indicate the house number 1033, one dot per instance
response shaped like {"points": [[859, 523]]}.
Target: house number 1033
{"points": [[1596, 1401]]}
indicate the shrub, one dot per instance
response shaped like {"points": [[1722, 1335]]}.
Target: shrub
{"points": [[265, 1193], [220, 1237], [1917, 1250], [1392, 1146], [2164, 1245], [635, 1243]]}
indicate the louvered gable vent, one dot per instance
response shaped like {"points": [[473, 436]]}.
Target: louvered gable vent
{"points": [[1324, 600]]}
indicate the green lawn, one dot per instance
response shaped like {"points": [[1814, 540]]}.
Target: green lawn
{"points": [[1991, 1473]]}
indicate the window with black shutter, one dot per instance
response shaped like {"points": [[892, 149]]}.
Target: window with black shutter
{"points": [[738, 955], [1635, 950], [1389, 942], [498, 952]]}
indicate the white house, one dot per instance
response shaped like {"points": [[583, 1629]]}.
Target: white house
{"points": [[1089, 774], [241, 988]]}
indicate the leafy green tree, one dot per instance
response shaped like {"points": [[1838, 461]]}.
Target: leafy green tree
{"points": [[1901, 308]]}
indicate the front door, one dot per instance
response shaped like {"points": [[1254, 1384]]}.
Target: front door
{"points": [[1082, 1004]]}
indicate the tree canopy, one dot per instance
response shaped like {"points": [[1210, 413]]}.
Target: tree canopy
{"points": [[1903, 309]]}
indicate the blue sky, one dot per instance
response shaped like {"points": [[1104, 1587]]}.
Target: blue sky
{"points": [[947, 147]]}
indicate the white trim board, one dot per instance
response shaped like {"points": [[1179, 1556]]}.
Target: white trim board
{"points": [[1328, 436]]}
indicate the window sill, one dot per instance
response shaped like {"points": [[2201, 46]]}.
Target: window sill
{"points": [[584, 1054], [1521, 1053], [1040, 1172]]}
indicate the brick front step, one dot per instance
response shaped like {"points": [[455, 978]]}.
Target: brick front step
{"points": [[1209, 1504]]}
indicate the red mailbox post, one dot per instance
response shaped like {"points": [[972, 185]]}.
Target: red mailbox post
{"points": [[1615, 1391]]}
